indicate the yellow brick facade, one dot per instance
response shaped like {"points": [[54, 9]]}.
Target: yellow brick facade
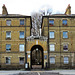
{"points": [[37, 53]]}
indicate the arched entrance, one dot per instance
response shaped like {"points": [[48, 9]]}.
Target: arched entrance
{"points": [[37, 60]]}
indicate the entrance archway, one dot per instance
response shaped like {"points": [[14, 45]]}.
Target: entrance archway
{"points": [[37, 60]]}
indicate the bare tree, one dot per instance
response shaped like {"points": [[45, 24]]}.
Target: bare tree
{"points": [[37, 20]]}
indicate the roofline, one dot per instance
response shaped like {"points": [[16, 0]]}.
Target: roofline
{"points": [[61, 16], [15, 16]]}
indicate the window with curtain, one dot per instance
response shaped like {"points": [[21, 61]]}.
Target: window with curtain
{"points": [[8, 61], [21, 60], [8, 34], [8, 47]]}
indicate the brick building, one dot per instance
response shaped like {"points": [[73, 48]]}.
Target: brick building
{"points": [[53, 48]]}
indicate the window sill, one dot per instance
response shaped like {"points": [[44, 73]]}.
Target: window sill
{"points": [[8, 51], [65, 38], [51, 25], [21, 63], [66, 63], [8, 64], [21, 25], [8, 38], [22, 38], [64, 24], [51, 38], [52, 63], [65, 50], [21, 51], [8, 25]]}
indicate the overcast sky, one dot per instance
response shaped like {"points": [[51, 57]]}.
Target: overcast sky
{"points": [[25, 7]]}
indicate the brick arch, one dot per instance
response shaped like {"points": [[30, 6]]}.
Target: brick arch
{"points": [[41, 49]]}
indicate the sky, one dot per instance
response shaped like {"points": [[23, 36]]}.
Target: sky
{"points": [[26, 7]]}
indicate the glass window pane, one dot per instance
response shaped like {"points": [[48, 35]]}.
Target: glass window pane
{"points": [[22, 22], [65, 47], [8, 60], [8, 22], [65, 34], [52, 47], [66, 61], [8, 47], [52, 60], [21, 47], [51, 34], [21, 34], [64, 22], [21, 60], [8, 34], [51, 22]]}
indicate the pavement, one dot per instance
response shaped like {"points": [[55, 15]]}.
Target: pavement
{"points": [[15, 72]]}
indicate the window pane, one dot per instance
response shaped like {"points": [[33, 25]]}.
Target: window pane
{"points": [[21, 22], [8, 47], [65, 34], [66, 60], [52, 47], [8, 34], [65, 47], [21, 60], [51, 34], [8, 22], [7, 60], [64, 22], [21, 34], [51, 22], [21, 47], [52, 60]]}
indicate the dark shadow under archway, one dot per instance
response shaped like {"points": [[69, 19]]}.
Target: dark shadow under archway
{"points": [[37, 60]]}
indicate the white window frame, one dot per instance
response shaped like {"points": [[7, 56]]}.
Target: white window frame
{"points": [[20, 36], [52, 60], [65, 45], [66, 61], [21, 62], [8, 22], [52, 47], [53, 35], [63, 35], [6, 48], [20, 46], [9, 60], [8, 36], [20, 21]]}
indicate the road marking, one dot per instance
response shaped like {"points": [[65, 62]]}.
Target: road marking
{"points": [[38, 73]]}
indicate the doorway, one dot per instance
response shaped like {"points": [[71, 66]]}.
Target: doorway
{"points": [[37, 57]]}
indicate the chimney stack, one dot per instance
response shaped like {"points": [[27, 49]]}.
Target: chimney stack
{"points": [[4, 10], [68, 10]]}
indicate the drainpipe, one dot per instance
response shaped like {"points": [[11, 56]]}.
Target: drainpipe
{"points": [[48, 43], [25, 44]]}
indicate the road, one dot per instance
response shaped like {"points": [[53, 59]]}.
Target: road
{"points": [[55, 72]]}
